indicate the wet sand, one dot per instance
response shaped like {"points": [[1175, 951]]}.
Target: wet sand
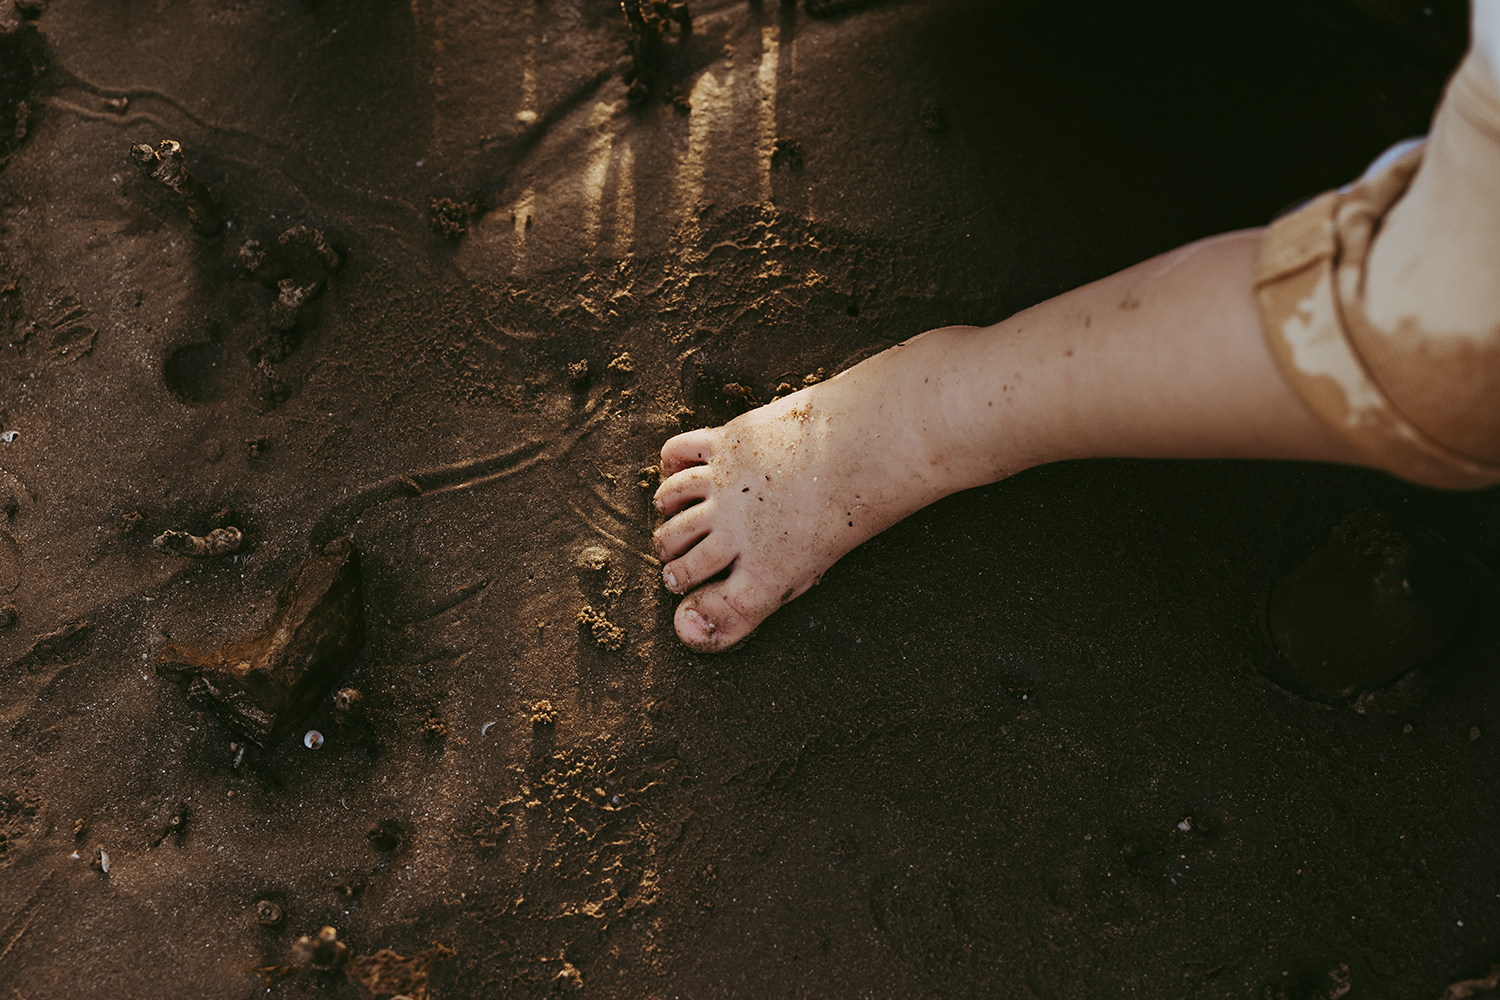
{"points": [[1029, 743]]}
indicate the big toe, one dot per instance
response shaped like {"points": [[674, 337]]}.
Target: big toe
{"points": [[722, 614]]}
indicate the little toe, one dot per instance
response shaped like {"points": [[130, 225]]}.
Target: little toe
{"points": [[686, 450], [678, 534], [684, 488], [699, 563]]}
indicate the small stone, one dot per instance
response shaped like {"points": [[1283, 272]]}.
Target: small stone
{"points": [[267, 913], [1406, 728], [1474, 733], [324, 952], [9, 616]]}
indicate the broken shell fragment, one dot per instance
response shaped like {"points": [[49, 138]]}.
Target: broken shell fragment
{"points": [[267, 913], [219, 542], [307, 236], [324, 952], [166, 165], [263, 686]]}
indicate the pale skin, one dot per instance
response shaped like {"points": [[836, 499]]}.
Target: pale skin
{"points": [[1163, 360]]}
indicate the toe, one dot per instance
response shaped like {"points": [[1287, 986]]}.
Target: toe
{"points": [[715, 617], [680, 533], [701, 562], [684, 488], [685, 451]]}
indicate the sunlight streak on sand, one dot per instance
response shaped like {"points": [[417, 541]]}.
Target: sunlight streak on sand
{"points": [[711, 104], [597, 171], [624, 201], [770, 48]]}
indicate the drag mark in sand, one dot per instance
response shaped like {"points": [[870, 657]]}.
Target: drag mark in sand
{"points": [[447, 478]]}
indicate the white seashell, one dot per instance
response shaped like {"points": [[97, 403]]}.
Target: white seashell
{"points": [[313, 739]]}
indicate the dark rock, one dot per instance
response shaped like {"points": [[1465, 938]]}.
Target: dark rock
{"points": [[262, 687]]}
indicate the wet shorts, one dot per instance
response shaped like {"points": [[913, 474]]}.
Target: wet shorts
{"points": [[1381, 301]]}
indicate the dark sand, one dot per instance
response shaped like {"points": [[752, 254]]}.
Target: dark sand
{"points": [[962, 766]]}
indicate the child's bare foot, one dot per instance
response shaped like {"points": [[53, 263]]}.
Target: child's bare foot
{"points": [[758, 509], [1165, 359]]}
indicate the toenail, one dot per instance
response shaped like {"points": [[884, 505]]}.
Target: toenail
{"points": [[672, 581]]}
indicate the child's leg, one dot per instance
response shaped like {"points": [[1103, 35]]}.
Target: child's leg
{"points": [[1165, 359], [1381, 313]]}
